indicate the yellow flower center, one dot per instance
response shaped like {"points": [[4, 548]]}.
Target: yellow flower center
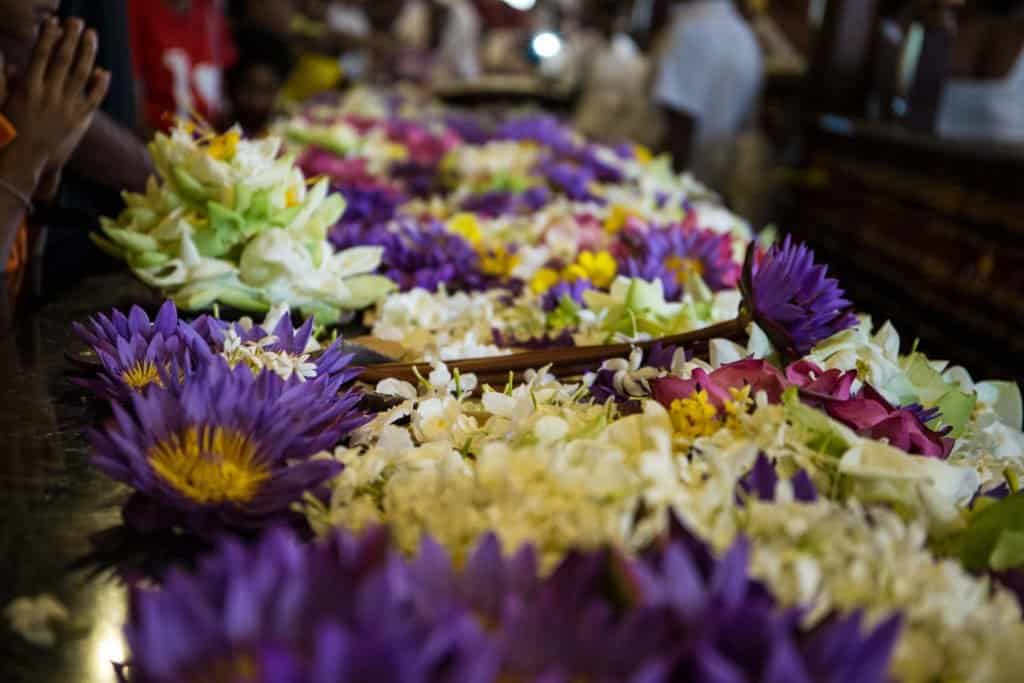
{"points": [[600, 268], [467, 226], [141, 375], [643, 154], [291, 198], [499, 262], [223, 147], [616, 220], [695, 416], [683, 267], [210, 465], [543, 280]]}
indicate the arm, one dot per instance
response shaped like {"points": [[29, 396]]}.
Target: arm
{"points": [[681, 128], [19, 178], [681, 89], [112, 156]]}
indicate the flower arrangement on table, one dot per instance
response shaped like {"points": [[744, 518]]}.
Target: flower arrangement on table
{"points": [[798, 502], [816, 429], [232, 220]]}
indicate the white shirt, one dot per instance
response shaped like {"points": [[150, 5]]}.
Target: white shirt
{"points": [[713, 70], [985, 110]]}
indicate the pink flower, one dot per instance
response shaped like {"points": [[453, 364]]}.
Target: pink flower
{"points": [[870, 415], [758, 374], [819, 386]]}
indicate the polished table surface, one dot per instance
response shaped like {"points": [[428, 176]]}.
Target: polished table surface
{"points": [[53, 501]]}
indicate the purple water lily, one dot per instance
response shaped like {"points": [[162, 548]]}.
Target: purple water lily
{"points": [[672, 253], [274, 613], [541, 129], [421, 254], [224, 448], [135, 353], [500, 203], [792, 298]]}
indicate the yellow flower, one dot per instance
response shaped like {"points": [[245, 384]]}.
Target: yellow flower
{"points": [[223, 147], [600, 268], [695, 416], [467, 226], [210, 465], [617, 217], [498, 262], [396, 152], [682, 267], [738, 405], [543, 280], [643, 154], [141, 375]]}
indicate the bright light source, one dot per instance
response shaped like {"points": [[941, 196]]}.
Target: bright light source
{"points": [[521, 5], [546, 45]]}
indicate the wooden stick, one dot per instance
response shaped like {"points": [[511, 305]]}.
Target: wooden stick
{"points": [[564, 362]]}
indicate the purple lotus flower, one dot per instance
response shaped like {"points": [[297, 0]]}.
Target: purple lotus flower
{"points": [[672, 253], [569, 178], [500, 203], [370, 203], [224, 447], [274, 612], [421, 254], [284, 338], [793, 299], [542, 129], [135, 353], [571, 291], [870, 415]]}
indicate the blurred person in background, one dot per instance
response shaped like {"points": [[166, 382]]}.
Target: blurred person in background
{"points": [[254, 84], [614, 104], [709, 80], [181, 49], [49, 93], [446, 37]]}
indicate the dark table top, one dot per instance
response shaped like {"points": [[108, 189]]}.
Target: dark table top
{"points": [[53, 500]]}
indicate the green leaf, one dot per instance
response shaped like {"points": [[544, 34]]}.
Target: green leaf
{"points": [[1009, 551], [187, 186], [956, 407], [987, 527]]}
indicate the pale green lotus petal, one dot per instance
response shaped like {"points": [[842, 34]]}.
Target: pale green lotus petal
{"points": [[131, 241], [1005, 399], [357, 261], [869, 459], [366, 290]]}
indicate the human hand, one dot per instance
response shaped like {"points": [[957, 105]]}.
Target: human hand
{"points": [[53, 102]]}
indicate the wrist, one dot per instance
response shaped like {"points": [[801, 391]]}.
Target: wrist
{"points": [[20, 169]]}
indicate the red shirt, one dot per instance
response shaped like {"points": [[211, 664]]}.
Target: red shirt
{"points": [[180, 58]]}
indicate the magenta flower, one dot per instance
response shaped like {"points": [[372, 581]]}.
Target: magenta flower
{"points": [[818, 386], [870, 415], [757, 374]]}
